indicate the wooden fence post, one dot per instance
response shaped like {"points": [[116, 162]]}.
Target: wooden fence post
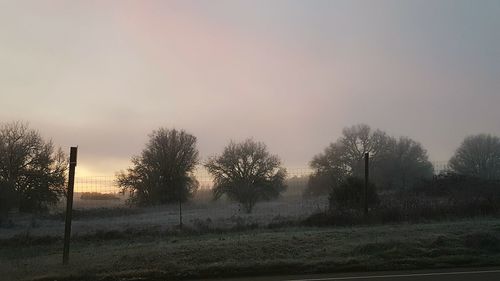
{"points": [[69, 203]]}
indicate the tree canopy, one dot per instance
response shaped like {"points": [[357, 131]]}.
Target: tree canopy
{"points": [[394, 163], [32, 172], [478, 156], [247, 173], [405, 164], [163, 172]]}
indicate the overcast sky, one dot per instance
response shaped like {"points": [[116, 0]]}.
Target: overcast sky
{"points": [[103, 74]]}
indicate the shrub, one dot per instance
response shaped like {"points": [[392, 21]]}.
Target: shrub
{"points": [[319, 184], [7, 201], [470, 195], [459, 186], [350, 194]]}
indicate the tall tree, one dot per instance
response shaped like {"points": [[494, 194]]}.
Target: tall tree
{"points": [[32, 172], [247, 173], [360, 139], [394, 163], [164, 172], [330, 168], [405, 164], [478, 156]]}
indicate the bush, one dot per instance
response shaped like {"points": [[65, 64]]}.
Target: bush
{"points": [[407, 208], [458, 186], [350, 194], [318, 184], [7, 201]]}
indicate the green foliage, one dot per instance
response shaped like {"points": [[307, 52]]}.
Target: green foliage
{"points": [[247, 173], [350, 194], [32, 172], [478, 156], [163, 172]]}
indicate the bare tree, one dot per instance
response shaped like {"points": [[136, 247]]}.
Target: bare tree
{"points": [[395, 163], [32, 172], [478, 156], [330, 168], [247, 173], [360, 139], [345, 157], [163, 173]]}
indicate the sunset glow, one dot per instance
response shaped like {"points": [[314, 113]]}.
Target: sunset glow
{"points": [[104, 75]]}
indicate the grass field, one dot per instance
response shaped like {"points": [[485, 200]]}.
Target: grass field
{"points": [[160, 255], [101, 216]]}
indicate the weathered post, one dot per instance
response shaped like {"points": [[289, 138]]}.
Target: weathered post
{"points": [[367, 180], [69, 203]]}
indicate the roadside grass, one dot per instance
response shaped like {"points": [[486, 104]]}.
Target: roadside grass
{"points": [[161, 256]]}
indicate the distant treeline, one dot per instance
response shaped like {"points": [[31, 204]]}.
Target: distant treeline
{"points": [[98, 196], [33, 171]]}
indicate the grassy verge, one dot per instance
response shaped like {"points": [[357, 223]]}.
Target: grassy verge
{"points": [[259, 251]]}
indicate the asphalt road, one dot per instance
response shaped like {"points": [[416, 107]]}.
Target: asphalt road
{"points": [[485, 274]]}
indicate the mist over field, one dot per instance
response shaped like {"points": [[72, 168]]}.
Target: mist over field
{"points": [[280, 140]]}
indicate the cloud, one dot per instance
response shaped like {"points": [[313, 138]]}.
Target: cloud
{"points": [[291, 74]]}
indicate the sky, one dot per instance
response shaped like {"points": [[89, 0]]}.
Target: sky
{"points": [[104, 74]]}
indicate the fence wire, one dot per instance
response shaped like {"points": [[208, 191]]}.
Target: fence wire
{"points": [[100, 206]]}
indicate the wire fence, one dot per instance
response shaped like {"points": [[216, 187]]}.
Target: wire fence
{"points": [[103, 191], [100, 206]]}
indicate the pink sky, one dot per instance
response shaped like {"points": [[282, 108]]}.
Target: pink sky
{"points": [[289, 73]]}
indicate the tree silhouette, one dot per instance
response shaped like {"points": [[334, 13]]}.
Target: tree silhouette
{"points": [[32, 172], [163, 173], [405, 164], [247, 173], [478, 156], [394, 163]]}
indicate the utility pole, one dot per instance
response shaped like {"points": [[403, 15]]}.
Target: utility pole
{"points": [[69, 203], [367, 180]]}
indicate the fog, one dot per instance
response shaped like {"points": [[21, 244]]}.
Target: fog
{"points": [[291, 74]]}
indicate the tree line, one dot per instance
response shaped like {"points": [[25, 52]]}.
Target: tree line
{"points": [[33, 171]]}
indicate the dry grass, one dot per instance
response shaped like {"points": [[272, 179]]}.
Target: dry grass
{"points": [[196, 214], [291, 250]]}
